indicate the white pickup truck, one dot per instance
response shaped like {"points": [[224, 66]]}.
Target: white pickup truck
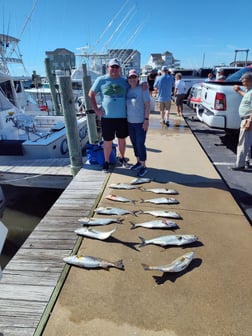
{"points": [[192, 76], [220, 103]]}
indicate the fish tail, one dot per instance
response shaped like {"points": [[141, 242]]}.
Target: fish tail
{"points": [[133, 202], [119, 220], [145, 267], [142, 188], [141, 200], [133, 225], [135, 213], [142, 241], [119, 264], [140, 211]]}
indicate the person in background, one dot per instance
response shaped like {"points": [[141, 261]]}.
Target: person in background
{"points": [[245, 111], [151, 80], [179, 93], [220, 75], [163, 85], [112, 89], [210, 77], [138, 112]]}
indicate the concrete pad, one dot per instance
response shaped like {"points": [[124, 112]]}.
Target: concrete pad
{"points": [[211, 297]]}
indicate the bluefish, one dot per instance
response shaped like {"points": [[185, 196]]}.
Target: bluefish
{"points": [[141, 180], [162, 213], [161, 200], [161, 191], [114, 211], [92, 233], [123, 186], [177, 240], [99, 221], [118, 198], [156, 224], [176, 265], [92, 262]]}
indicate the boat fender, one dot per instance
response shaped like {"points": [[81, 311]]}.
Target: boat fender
{"points": [[63, 147], [82, 133]]}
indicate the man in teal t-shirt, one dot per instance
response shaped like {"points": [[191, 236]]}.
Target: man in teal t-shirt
{"points": [[112, 89]]}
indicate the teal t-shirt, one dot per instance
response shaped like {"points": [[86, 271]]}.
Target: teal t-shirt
{"points": [[113, 95], [245, 107]]}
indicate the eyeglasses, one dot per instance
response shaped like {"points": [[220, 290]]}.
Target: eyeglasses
{"points": [[114, 66], [132, 77]]}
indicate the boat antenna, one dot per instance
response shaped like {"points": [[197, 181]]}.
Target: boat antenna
{"points": [[118, 27], [25, 24], [110, 24], [28, 18]]}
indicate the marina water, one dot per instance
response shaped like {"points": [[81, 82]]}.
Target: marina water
{"points": [[25, 209]]}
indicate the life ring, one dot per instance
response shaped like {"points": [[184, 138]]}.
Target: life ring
{"points": [[63, 147]]}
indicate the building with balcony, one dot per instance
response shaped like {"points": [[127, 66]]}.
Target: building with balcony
{"points": [[61, 59]]}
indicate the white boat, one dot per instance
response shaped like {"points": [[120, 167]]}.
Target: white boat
{"points": [[30, 133], [43, 97]]}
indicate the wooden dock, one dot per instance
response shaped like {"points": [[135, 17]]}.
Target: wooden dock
{"points": [[32, 279], [44, 173]]}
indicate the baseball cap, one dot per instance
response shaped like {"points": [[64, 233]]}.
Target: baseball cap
{"points": [[114, 61], [164, 68], [132, 72]]}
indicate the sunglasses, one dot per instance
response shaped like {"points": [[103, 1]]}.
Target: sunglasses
{"points": [[133, 77], [114, 66]]}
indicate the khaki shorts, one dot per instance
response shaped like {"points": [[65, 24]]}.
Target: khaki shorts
{"points": [[165, 105]]}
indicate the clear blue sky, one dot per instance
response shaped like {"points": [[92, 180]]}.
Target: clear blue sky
{"points": [[198, 33]]}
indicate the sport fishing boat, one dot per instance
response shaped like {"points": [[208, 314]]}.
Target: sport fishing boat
{"points": [[32, 134]]}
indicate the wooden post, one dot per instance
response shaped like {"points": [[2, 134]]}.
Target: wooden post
{"points": [[91, 117], [52, 87], [73, 140]]}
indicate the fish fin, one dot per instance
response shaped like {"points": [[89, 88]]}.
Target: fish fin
{"points": [[145, 266], [142, 241], [142, 188], [119, 264], [133, 225]]}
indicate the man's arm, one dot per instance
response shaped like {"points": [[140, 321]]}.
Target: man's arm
{"points": [[98, 110]]}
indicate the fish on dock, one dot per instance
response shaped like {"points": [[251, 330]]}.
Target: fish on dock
{"points": [[161, 213], [161, 191], [118, 198], [92, 262], [141, 180], [114, 211], [177, 240], [99, 221], [160, 200], [155, 224], [92, 233], [176, 265], [123, 186]]}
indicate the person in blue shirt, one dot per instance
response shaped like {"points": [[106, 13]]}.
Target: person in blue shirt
{"points": [[112, 89], [138, 111], [163, 85]]}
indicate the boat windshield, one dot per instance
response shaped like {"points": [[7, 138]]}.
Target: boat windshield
{"points": [[236, 77]]}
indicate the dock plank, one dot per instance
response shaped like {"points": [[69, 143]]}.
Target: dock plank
{"points": [[30, 278]]}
